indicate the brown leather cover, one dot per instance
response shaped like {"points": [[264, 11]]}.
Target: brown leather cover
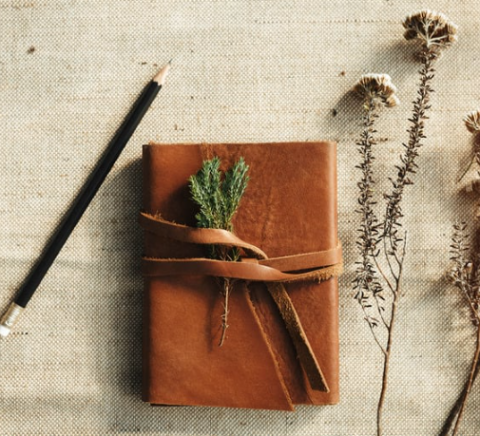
{"points": [[289, 208]]}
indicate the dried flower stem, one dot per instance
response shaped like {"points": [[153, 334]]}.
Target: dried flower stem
{"points": [[435, 32], [452, 417], [394, 254], [386, 363], [371, 280], [376, 90], [366, 281], [465, 275], [468, 387], [408, 165], [392, 222]]}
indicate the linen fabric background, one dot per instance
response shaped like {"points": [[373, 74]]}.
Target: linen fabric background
{"points": [[245, 70]]}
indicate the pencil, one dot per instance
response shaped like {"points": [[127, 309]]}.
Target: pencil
{"points": [[83, 199]]}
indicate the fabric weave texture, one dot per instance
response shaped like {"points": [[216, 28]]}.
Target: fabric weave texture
{"points": [[243, 71]]}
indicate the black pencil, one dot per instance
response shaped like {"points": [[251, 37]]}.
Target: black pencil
{"points": [[82, 201]]}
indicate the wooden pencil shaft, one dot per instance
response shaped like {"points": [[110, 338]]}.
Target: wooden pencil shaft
{"points": [[87, 193]]}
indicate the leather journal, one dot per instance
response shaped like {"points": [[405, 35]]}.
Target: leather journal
{"points": [[281, 345]]}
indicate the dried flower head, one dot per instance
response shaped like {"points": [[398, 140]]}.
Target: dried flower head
{"points": [[433, 29], [472, 121], [377, 88]]}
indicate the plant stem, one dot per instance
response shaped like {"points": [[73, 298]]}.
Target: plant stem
{"points": [[369, 220], [447, 426], [373, 332], [227, 287], [388, 353], [366, 282], [416, 134], [393, 213], [464, 283], [471, 378], [386, 362]]}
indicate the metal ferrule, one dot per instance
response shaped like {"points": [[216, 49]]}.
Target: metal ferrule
{"points": [[9, 319]]}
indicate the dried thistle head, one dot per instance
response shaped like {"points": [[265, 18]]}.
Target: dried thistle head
{"points": [[378, 89], [472, 121], [434, 30]]}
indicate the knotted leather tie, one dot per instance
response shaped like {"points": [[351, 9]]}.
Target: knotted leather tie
{"points": [[255, 266]]}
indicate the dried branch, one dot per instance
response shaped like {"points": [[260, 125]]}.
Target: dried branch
{"points": [[465, 275], [435, 32]]}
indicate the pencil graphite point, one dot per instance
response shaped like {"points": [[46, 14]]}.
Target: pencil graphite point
{"points": [[162, 74]]}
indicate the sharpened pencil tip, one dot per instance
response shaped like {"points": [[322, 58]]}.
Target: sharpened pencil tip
{"points": [[162, 74]]}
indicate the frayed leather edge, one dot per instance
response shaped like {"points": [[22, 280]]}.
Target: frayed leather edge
{"points": [[320, 275]]}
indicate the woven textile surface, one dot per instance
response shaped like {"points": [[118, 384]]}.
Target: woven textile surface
{"points": [[246, 70]]}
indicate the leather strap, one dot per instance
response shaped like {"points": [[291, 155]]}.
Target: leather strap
{"points": [[305, 354], [244, 270], [194, 235], [319, 265]]}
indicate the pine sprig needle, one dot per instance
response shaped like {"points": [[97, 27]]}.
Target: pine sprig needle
{"points": [[218, 196]]}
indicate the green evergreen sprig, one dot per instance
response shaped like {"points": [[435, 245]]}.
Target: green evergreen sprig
{"points": [[218, 196]]}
